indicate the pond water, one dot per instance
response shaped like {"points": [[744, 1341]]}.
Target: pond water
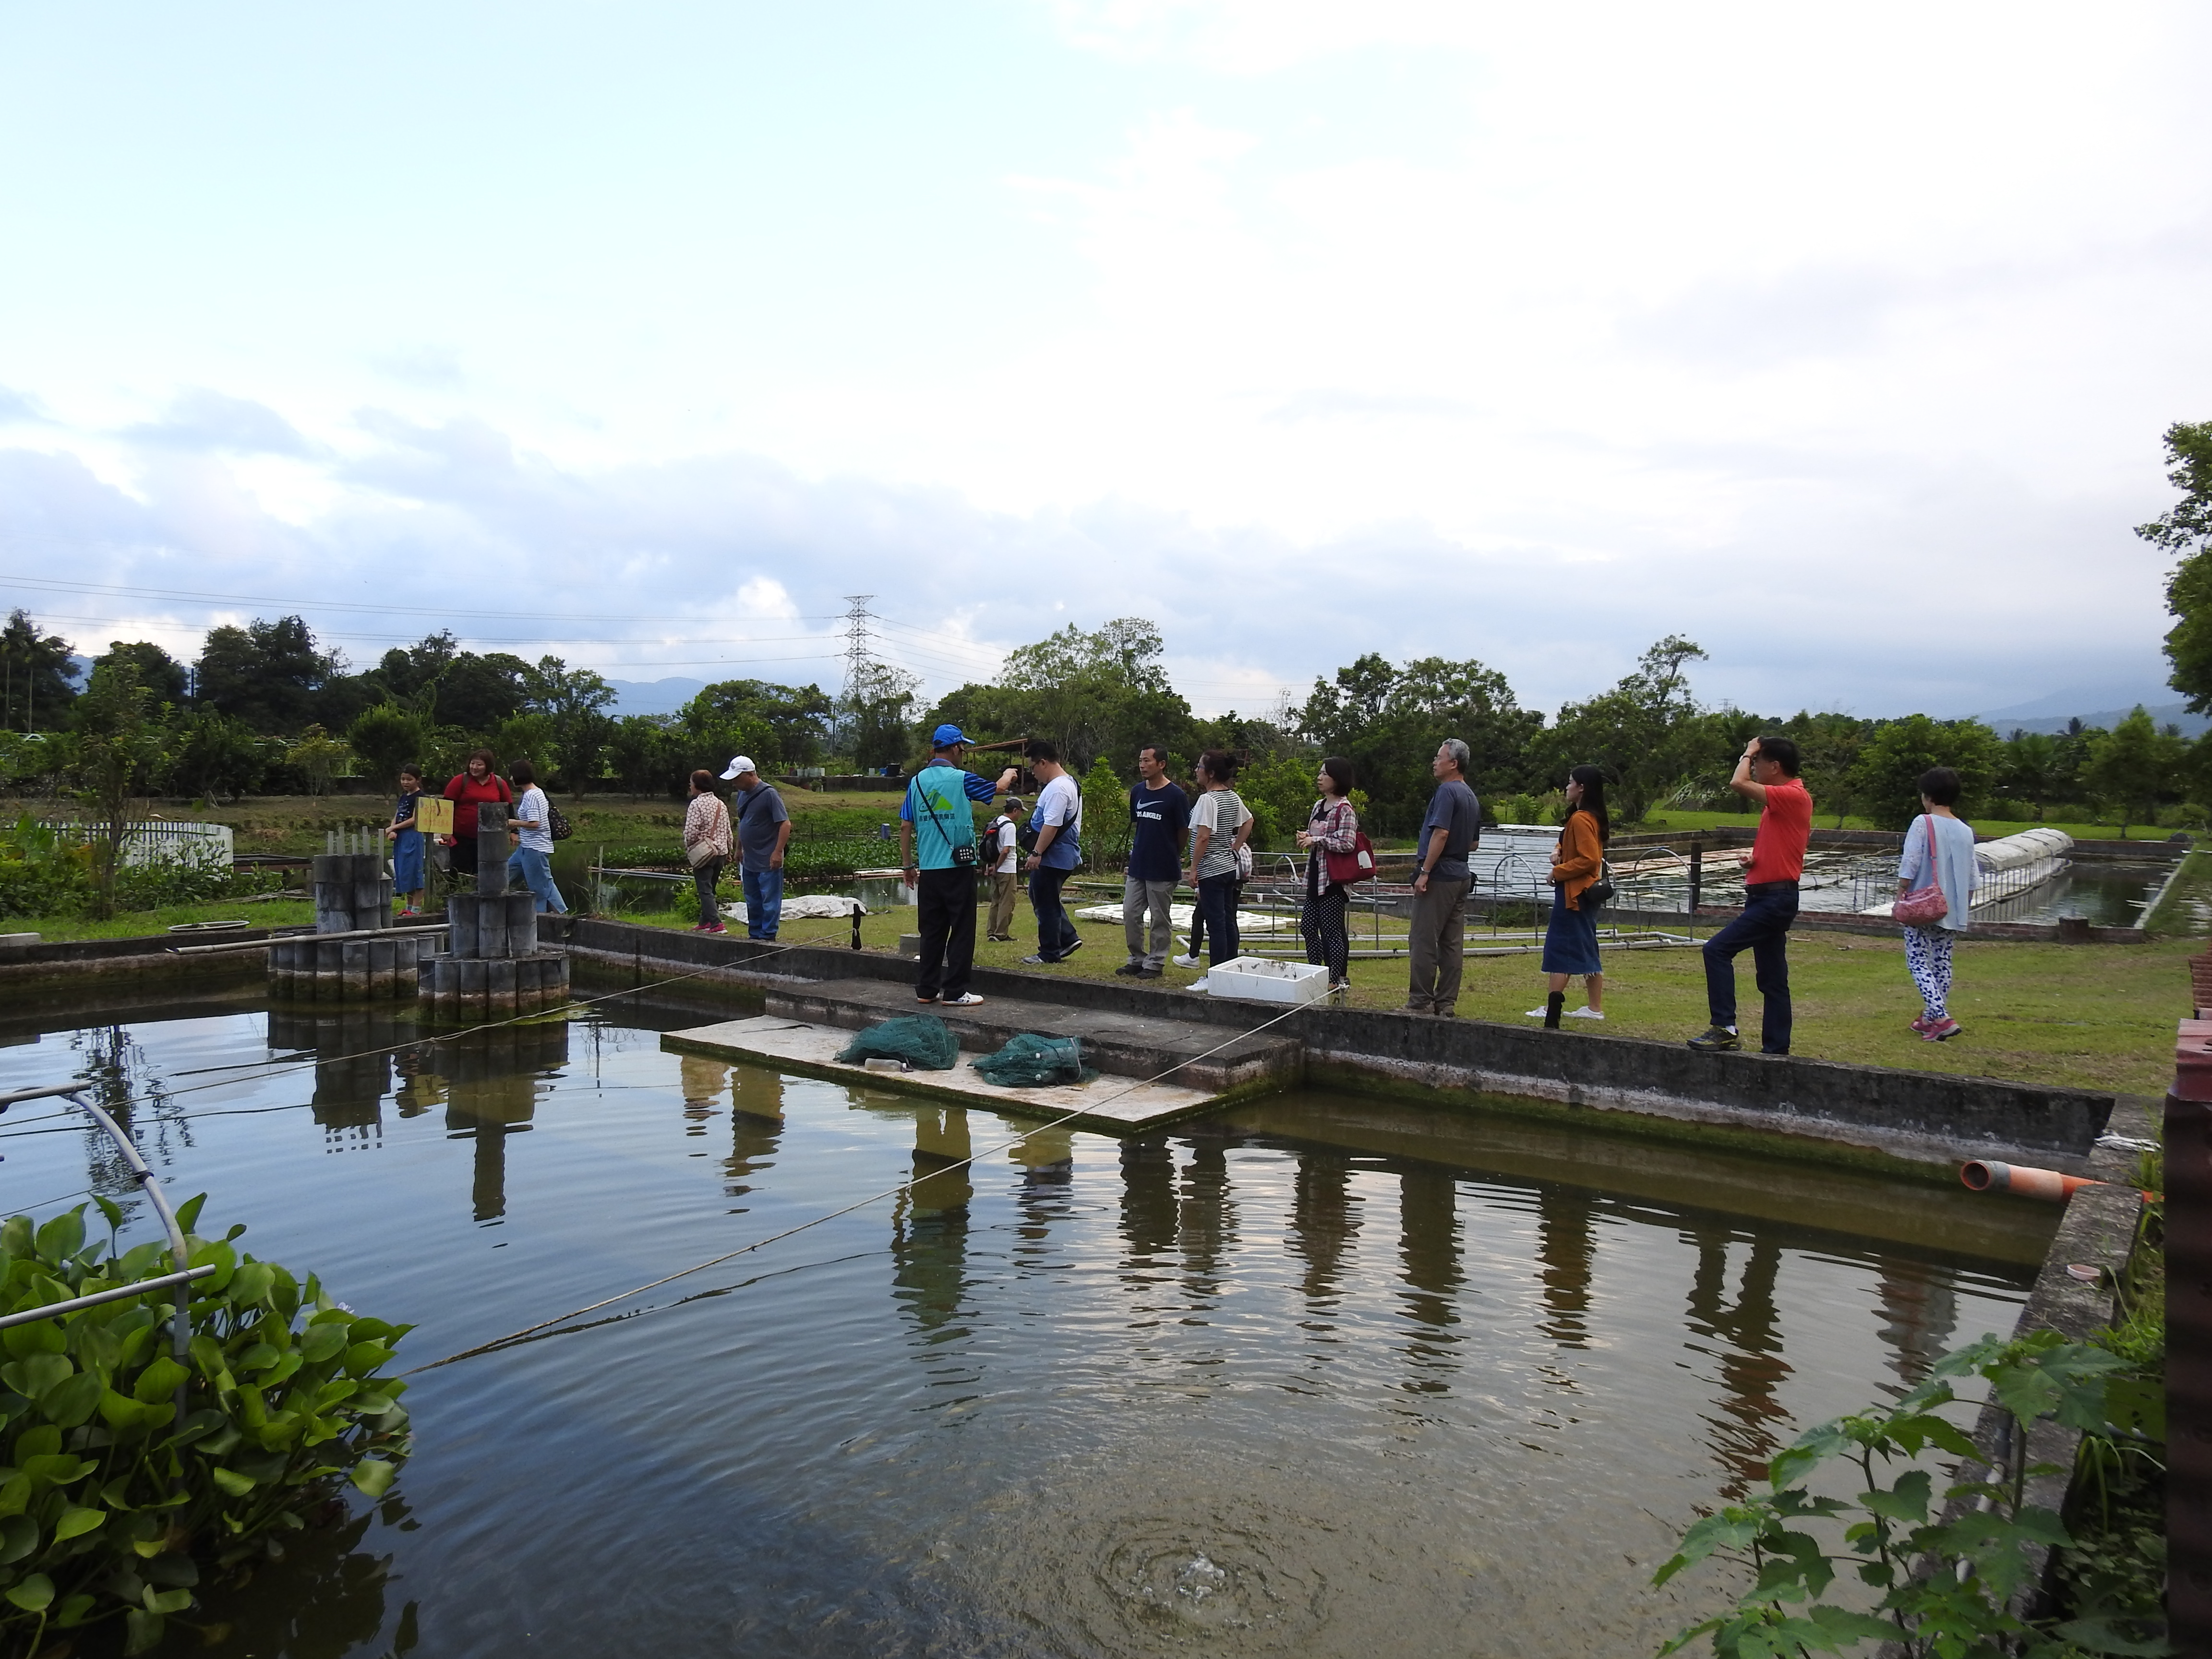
{"points": [[1324, 1375]]}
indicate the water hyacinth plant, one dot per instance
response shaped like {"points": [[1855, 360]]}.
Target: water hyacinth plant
{"points": [[109, 1506]]}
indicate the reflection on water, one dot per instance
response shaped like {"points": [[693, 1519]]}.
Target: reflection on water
{"points": [[1324, 1375]]}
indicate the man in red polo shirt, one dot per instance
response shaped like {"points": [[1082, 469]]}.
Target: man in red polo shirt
{"points": [[1768, 774]]}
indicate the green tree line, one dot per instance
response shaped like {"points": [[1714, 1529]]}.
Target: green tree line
{"points": [[264, 707]]}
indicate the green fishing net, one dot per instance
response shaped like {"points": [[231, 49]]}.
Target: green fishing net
{"points": [[1030, 1062], [922, 1040]]}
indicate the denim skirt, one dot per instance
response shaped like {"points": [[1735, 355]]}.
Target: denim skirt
{"points": [[1570, 939], [407, 861]]}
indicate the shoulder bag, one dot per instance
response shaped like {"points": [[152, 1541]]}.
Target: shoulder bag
{"points": [[557, 822], [699, 853], [1599, 893], [1343, 869], [1923, 907], [964, 857]]}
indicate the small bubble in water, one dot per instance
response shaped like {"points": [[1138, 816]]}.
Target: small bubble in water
{"points": [[1199, 1578]]}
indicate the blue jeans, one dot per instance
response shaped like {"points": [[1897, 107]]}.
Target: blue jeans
{"points": [[1764, 930], [1056, 934], [763, 902], [1217, 907], [534, 869]]}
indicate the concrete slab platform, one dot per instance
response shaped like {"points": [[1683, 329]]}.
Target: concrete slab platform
{"points": [[1111, 1105], [1122, 1043]]}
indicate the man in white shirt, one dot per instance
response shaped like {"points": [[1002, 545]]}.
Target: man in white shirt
{"points": [[1003, 835], [1058, 820]]}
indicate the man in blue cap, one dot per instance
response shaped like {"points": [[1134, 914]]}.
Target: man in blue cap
{"points": [[937, 818]]}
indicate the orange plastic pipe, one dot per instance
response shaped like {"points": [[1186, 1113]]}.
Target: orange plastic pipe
{"points": [[2028, 1183]]}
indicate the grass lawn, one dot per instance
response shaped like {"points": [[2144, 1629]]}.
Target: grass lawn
{"points": [[2095, 1016], [273, 912]]}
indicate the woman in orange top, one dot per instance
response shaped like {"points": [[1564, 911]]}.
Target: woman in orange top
{"points": [[1570, 940]]}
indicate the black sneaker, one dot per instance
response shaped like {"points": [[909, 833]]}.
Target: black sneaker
{"points": [[1147, 973], [1074, 946], [1130, 970], [1716, 1039]]}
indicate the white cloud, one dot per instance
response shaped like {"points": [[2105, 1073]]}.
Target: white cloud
{"points": [[1304, 329]]}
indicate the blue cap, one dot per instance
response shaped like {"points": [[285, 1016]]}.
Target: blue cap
{"points": [[945, 736]]}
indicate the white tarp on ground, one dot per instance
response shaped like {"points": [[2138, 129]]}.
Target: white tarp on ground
{"points": [[1248, 921], [813, 907]]}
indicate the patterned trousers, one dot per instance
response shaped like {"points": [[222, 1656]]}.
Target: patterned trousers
{"points": [[1322, 924], [1927, 954]]}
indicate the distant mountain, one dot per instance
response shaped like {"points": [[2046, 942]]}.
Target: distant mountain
{"points": [[2052, 712], [654, 696]]}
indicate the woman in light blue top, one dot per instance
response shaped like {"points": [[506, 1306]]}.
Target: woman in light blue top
{"points": [[1939, 849]]}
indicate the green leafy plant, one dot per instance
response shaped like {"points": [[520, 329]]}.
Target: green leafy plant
{"points": [[42, 873], [112, 1507], [1949, 1574]]}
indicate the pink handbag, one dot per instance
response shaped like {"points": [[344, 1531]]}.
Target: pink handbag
{"points": [[1923, 906]]}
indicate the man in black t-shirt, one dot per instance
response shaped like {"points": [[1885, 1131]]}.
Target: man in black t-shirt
{"points": [[1159, 824]]}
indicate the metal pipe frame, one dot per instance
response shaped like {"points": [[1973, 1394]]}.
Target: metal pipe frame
{"points": [[180, 1323]]}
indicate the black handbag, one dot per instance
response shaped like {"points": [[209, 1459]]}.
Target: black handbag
{"points": [[1599, 893]]}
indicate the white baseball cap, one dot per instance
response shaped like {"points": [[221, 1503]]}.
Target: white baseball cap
{"points": [[739, 765]]}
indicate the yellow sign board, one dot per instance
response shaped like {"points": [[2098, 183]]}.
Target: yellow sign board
{"points": [[434, 816]]}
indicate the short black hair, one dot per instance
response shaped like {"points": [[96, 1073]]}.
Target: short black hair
{"points": [[1156, 751], [1340, 774], [1782, 752], [1037, 749], [1219, 765], [522, 772], [1941, 785], [412, 770]]}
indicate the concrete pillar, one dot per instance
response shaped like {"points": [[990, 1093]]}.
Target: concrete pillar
{"points": [[491, 849]]}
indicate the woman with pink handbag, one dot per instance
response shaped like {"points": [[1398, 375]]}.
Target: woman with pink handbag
{"points": [[1935, 880]]}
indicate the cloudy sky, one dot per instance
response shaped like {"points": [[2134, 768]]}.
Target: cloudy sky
{"points": [[1839, 339]]}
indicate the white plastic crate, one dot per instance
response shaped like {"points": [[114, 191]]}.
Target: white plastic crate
{"points": [[1257, 978]]}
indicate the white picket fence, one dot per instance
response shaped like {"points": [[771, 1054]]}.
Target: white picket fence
{"points": [[209, 846]]}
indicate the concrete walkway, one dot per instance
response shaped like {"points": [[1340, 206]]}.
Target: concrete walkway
{"points": [[1110, 1105], [1202, 1056]]}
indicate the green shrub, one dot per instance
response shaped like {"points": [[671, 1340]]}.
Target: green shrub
{"points": [[108, 1506], [41, 874], [1982, 1554]]}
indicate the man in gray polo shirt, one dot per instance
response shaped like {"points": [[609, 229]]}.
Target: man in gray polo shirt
{"points": [[763, 828], [1441, 879]]}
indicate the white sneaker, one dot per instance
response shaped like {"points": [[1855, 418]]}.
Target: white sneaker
{"points": [[1198, 984], [1584, 1013], [1184, 962], [1535, 1013]]}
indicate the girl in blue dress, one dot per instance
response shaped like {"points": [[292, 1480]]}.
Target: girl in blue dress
{"points": [[407, 843]]}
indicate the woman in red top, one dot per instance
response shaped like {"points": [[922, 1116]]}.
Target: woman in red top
{"points": [[481, 785]]}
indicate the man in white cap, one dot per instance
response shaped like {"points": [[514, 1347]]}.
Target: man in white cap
{"points": [[763, 831]]}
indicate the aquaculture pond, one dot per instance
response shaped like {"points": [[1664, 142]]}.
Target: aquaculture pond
{"points": [[1324, 1375]]}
